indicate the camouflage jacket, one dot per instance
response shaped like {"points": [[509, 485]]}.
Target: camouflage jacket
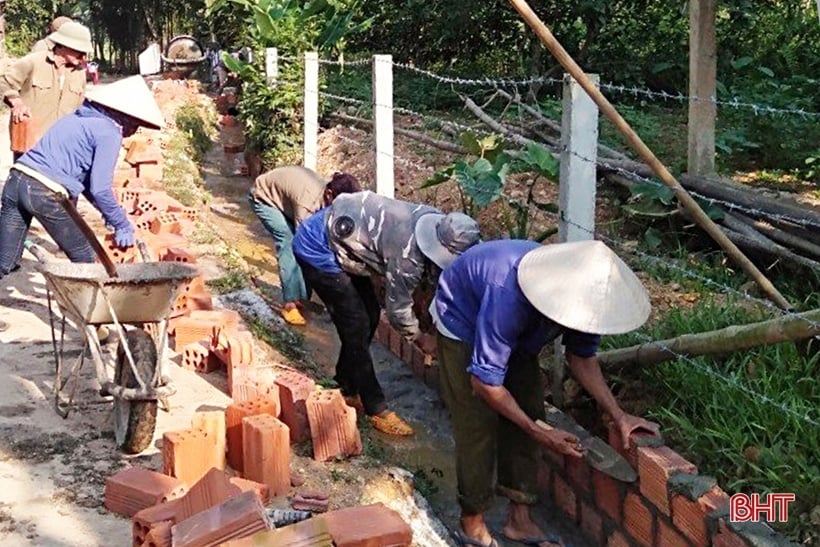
{"points": [[374, 235]]}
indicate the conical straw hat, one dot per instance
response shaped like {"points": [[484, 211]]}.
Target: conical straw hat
{"points": [[584, 286], [130, 96]]}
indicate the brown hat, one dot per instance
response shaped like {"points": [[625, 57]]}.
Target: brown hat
{"points": [[58, 22], [74, 36]]}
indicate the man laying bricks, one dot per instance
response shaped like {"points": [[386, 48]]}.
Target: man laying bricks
{"points": [[496, 307], [76, 156], [365, 234], [282, 198], [44, 86]]}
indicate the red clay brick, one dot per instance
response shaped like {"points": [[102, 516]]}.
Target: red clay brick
{"points": [[212, 489], [608, 495], [212, 422], [151, 172], [294, 389], [179, 254], [166, 223], [135, 488], [228, 320], [668, 536], [655, 465], [233, 424], [189, 330], [564, 497], [262, 490], [383, 331], [638, 520], [198, 357], [115, 253], [266, 452], [332, 426], [312, 532], [186, 454], [689, 517], [238, 517], [368, 526], [234, 349], [579, 474], [141, 152], [159, 535], [148, 518], [592, 523]]}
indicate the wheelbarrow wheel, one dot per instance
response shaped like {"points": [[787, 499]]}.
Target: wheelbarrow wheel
{"points": [[134, 421]]}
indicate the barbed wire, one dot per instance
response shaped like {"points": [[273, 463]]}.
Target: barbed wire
{"points": [[502, 81], [398, 159]]}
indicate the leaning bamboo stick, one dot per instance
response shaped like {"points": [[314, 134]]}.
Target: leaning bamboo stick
{"points": [[717, 342], [700, 217]]}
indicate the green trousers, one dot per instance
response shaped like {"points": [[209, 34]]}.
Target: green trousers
{"points": [[486, 443]]}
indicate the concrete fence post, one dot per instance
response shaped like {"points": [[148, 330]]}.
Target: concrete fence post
{"points": [[311, 111], [383, 123], [272, 65], [576, 192]]}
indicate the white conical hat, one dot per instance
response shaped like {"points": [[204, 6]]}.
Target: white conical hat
{"points": [[130, 96], [584, 286]]}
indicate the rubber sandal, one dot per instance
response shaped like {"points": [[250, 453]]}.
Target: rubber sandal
{"points": [[461, 539], [391, 424], [294, 317]]}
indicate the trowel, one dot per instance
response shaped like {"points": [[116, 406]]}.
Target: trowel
{"points": [[596, 452]]}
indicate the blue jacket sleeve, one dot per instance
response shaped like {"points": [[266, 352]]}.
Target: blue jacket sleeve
{"points": [[501, 320], [98, 185]]}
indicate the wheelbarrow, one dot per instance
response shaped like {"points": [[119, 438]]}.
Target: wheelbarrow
{"points": [[137, 303]]}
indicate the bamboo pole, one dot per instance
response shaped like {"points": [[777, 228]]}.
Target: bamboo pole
{"points": [[700, 217], [718, 342]]}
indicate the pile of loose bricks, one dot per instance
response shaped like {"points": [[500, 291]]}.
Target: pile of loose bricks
{"points": [[218, 474], [670, 505]]}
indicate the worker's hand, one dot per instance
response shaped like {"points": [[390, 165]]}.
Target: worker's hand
{"points": [[558, 440], [426, 343], [629, 423], [20, 112], [124, 236]]}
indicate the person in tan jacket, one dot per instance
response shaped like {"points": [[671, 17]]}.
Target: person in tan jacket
{"points": [[44, 43], [44, 86], [282, 198]]}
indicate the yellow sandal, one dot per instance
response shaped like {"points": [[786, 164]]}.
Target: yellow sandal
{"points": [[391, 424], [294, 317]]}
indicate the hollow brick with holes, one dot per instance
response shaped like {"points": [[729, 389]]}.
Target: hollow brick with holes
{"points": [[143, 521], [667, 536], [117, 254], [135, 488], [565, 497], [151, 172], [186, 454], [294, 389], [212, 422], [179, 254], [190, 330], [617, 539], [234, 415], [159, 535], [234, 349], [638, 520], [655, 465], [141, 152], [198, 357], [332, 426], [726, 537], [166, 223], [266, 452], [591, 522]]}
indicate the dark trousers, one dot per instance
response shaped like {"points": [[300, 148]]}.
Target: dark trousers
{"points": [[25, 198], [351, 302], [485, 441]]}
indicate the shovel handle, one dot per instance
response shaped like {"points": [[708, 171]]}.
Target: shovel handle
{"points": [[68, 205]]}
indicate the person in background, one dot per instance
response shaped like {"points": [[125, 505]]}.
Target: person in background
{"points": [[365, 234], [44, 86], [496, 307], [76, 156], [44, 44], [282, 198]]}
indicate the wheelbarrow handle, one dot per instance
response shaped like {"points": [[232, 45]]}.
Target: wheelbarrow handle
{"points": [[72, 211]]}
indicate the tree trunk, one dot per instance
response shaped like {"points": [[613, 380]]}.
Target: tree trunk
{"points": [[723, 341]]}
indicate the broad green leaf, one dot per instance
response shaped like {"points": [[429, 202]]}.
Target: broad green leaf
{"points": [[652, 238], [439, 177], [741, 62], [767, 71], [470, 142]]}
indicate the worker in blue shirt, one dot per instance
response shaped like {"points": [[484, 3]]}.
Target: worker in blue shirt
{"points": [[364, 234], [77, 155], [496, 307]]}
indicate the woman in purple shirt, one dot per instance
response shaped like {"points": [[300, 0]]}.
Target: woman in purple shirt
{"points": [[496, 307]]}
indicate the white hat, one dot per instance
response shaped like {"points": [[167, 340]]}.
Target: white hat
{"points": [[443, 237], [130, 96], [584, 286], [73, 35]]}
